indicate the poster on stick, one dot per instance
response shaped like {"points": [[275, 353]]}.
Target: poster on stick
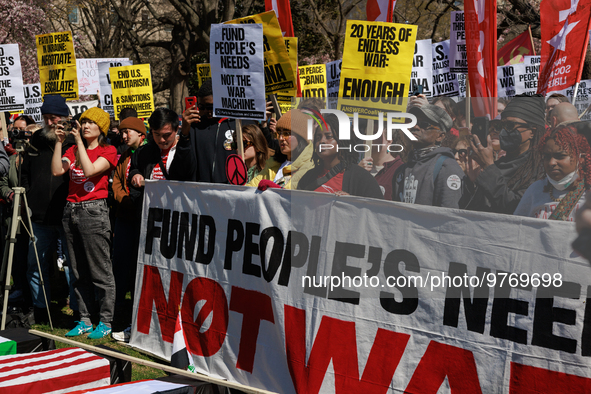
{"points": [[284, 291], [88, 73], [132, 87], [458, 57], [12, 96], [57, 64], [203, 73], [377, 62], [105, 92], [238, 77], [445, 82], [33, 102], [422, 68], [313, 81]]}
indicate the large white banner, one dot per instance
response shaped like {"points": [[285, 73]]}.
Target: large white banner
{"points": [[302, 292], [422, 68], [237, 72], [12, 96]]}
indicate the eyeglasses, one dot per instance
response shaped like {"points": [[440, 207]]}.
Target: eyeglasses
{"points": [[510, 125], [245, 144], [285, 133], [205, 107], [426, 125]]}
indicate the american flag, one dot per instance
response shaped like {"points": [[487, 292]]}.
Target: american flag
{"points": [[55, 371]]}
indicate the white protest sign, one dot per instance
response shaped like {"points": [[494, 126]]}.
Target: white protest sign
{"points": [[458, 59], [583, 97], [105, 90], [518, 78], [418, 299], [445, 82], [12, 96], [333, 79], [33, 102], [81, 106], [462, 84], [88, 73], [237, 73], [422, 64]]}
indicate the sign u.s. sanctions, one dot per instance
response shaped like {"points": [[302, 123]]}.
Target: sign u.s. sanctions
{"points": [[313, 80], [203, 73], [279, 74], [236, 56], [377, 61], [105, 92], [12, 96], [33, 101], [57, 64], [132, 87]]}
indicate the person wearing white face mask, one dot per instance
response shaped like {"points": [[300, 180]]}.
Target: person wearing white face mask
{"points": [[566, 157]]}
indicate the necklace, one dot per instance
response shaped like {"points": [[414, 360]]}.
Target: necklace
{"points": [[552, 195]]}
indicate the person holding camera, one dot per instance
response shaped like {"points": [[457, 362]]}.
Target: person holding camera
{"points": [[46, 196]]}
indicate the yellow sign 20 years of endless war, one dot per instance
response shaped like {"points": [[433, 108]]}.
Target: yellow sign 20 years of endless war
{"points": [[57, 64], [377, 62], [132, 87]]}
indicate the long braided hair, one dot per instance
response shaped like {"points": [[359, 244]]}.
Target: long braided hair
{"points": [[533, 168], [576, 145]]}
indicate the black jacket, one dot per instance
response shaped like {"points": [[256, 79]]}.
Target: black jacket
{"points": [[356, 181], [207, 147], [46, 194]]}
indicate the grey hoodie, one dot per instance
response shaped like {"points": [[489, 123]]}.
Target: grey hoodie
{"points": [[413, 182]]}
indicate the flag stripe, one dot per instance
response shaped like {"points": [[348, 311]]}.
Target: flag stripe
{"points": [[96, 377], [81, 361]]}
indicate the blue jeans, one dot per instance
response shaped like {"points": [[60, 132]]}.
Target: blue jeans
{"points": [[88, 235], [46, 241]]}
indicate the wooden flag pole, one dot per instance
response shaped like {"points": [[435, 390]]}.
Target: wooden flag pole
{"points": [[239, 145]]}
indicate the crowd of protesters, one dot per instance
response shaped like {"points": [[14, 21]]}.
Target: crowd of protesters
{"points": [[84, 177]]}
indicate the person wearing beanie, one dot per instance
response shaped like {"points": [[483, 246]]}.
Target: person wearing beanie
{"points": [[86, 217], [293, 144], [431, 176], [46, 196], [501, 184], [127, 227]]}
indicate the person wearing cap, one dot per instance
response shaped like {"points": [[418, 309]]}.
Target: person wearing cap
{"points": [[127, 227], [46, 196], [502, 183], [86, 217], [294, 146], [432, 176]]}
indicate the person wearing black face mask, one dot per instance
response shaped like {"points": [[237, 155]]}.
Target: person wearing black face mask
{"points": [[501, 184]]}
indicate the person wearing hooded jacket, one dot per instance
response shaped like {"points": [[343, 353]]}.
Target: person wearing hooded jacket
{"points": [[432, 176]]}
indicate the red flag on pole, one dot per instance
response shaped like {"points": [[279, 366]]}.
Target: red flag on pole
{"points": [[380, 10], [282, 9], [514, 51], [565, 33], [481, 46]]}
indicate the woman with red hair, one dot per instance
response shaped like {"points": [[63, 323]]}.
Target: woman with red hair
{"points": [[566, 156]]}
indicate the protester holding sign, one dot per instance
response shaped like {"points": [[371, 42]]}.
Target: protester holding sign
{"points": [[336, 171], [567, 162], [503, 182], [86, 217]]}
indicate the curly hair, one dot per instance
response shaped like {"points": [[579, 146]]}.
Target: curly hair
{"points": [[576, 145], [346, 154]]}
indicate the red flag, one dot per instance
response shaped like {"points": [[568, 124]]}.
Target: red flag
{"points": [[380, 10], [282, 9], [514, 51], [481, 47], [565, 33]]}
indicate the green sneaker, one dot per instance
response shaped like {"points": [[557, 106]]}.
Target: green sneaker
{"points": [[100, 331], [80, 329]]}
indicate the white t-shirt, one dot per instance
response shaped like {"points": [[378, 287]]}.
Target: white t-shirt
{"points": [[279, 174], [537, 204]]}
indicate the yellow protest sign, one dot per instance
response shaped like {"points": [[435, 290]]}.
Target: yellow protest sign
{"points": [[203, 73], [286, 99], [132, 87], [57, 64], [313, 80], [279, 74], [377, 62]]}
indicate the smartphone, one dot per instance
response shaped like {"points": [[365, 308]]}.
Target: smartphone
{"points": [[418, 90], [276, 109], [68, 125], [190, 101], [480, 127]]}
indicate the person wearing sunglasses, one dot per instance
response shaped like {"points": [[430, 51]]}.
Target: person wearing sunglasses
{"points": [[501, 183], [431, 176], [256, 150]]}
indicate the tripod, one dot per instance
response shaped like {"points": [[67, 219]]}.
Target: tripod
{"points": [[19, 192]]}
